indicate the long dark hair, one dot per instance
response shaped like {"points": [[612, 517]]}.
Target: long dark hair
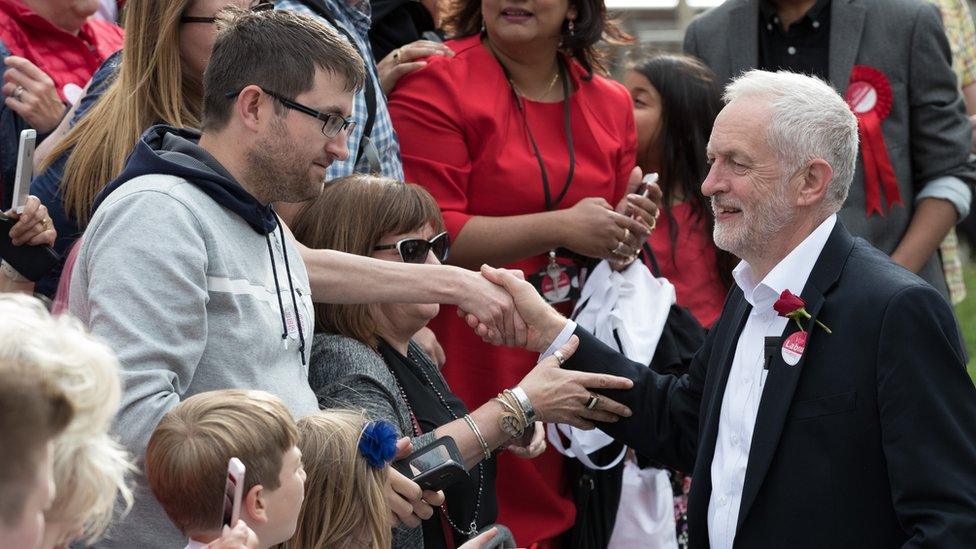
{"points": [[690, 100], [590, 27]]}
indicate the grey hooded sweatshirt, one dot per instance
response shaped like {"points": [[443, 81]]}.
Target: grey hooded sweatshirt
{"points": [[194, 285]]}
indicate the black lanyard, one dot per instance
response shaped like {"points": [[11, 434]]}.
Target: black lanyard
{"points": [[567, 127]]}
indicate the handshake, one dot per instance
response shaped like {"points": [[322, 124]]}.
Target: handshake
{"points": [[524, 319]]}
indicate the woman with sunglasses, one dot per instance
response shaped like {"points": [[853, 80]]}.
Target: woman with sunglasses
{"points": [[363, 356]]}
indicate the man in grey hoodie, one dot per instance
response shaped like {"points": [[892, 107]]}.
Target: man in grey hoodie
{"points": [[185, 268]]}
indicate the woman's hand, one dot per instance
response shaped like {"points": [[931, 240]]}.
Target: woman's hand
{"points": [[34, 227], [562, 396], [532, 443], [592, 228], [239, 537], [404, 60], [408, 502], [31, 94]]}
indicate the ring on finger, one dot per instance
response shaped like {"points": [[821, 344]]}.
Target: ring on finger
{"points": [[592, 402], [18, 92], [619, 250], [560, 358], [626, 234], [396, 56]]}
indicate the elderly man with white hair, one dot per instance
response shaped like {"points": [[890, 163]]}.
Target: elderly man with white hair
{"points": [[829, 405]]}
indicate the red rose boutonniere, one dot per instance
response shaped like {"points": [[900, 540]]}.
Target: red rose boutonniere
{"points": [[793, 307]]}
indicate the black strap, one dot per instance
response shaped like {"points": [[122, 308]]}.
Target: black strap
{"points": [[369, 89], [649, 255]]}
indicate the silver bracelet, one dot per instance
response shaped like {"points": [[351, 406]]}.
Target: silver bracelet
{"points": [[523, 400], [477, 433]]}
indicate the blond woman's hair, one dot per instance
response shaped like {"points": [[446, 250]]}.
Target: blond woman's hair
{"points": [[334, 221], [90, 468], [149, 87], [345, 498], [186, 460]]}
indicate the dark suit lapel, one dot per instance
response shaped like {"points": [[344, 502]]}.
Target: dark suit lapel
{"points": [[846, 24], [781, 382], [743, 38]]}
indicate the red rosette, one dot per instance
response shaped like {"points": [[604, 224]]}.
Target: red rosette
{"points": [[869, 96]]}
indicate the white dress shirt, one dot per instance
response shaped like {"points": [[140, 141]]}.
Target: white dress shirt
{"points": [[743, 392]]}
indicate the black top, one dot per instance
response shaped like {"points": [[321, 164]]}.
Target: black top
{"points": [[803, 48], [397, 23], [430, 412]]}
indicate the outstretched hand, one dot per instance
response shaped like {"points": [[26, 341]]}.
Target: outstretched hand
{"points": [[541, 322], [489, 309]]}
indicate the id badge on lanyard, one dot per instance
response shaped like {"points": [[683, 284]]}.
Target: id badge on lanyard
{"points": [[557, 283]]}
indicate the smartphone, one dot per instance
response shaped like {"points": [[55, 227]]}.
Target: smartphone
{"points": [[31, 261], [25, 170], [435, 467], [233, 492]]}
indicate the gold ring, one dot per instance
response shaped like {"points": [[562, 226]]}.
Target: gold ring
{"points": [[594, 400], [46, 223], [396, 56]]}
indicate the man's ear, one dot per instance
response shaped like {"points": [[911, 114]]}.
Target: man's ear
{"points": [[814, 184], [251, 108], [254, 509]]}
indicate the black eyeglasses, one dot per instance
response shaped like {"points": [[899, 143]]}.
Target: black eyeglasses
{"points": [[260, 6], [415, 250], [332, 123]]}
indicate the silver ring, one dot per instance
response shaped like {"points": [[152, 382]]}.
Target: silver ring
{"points": [[590, 404], [559, 356], [619, 249], [626, 234], [18, 92]]}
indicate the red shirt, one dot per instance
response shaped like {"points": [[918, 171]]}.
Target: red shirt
{"points": [[462, 137], [68, 59], [693, 269]]}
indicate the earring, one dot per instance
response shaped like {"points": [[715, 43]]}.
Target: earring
{"points": [[572, 28]]}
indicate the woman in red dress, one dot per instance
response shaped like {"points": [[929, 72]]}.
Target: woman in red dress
{"points": [[529, 155]]}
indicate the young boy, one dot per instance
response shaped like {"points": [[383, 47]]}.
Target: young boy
{"points": [[186, 464]]}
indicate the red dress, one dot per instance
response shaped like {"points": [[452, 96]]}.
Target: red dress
{"points": [[462, 137], [69, 60], [694, 267]]}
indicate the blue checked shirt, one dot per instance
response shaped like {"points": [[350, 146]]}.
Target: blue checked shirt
{"points": [[354, 17]]}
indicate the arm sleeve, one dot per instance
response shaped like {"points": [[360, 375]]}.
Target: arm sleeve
{"points": [[927, 408], [433, 144], [147, 293], [350, 377], [664, 424], [941, 134], [628, 151]]}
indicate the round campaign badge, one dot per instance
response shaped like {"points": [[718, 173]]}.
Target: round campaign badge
{"points": [[793, 347], [862, 97], [555, 285]]}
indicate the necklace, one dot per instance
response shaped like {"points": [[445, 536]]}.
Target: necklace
{"points": [[472, 529], [544, 95]]}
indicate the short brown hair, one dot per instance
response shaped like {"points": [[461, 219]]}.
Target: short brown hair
{"points": [[278, 50], [352, 215], [186, 460], [33, 410]]}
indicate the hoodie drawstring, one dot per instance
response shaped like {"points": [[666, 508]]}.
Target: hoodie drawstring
{"points": [[291, 288], [274, 274]]}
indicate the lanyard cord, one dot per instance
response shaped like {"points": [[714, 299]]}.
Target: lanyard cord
{"points": [[567, 127]]}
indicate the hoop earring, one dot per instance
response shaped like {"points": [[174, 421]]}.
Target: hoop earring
{"points": [[572, 28]]}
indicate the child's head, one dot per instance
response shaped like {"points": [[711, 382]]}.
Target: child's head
{"points": [[33, 411], [346, 504], [186, 463]]}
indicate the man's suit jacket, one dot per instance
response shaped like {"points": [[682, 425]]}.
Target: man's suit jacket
{"points": [[868, 442], [927, 132]]}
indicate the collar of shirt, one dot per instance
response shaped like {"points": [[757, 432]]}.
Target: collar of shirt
{"points": [[194, 544], [770, 16], [789, 274]]}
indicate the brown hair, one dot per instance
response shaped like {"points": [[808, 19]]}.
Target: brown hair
{"points": [[149, 87], [186, 460], [33, 410], [590, 27], [345, 497], [352, 215], [278, 50]]}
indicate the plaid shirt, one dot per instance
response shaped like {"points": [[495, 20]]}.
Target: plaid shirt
{"points": [[354, 17]]}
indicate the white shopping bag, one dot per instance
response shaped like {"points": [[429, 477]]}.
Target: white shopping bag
{"points": [[645, 517]]}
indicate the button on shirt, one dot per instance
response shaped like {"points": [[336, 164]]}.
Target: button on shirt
{"points": [[354, 17], [803, 48], [747, 377]]}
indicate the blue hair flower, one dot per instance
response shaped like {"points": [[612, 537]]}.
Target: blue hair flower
{"points": [[378, 443]]}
